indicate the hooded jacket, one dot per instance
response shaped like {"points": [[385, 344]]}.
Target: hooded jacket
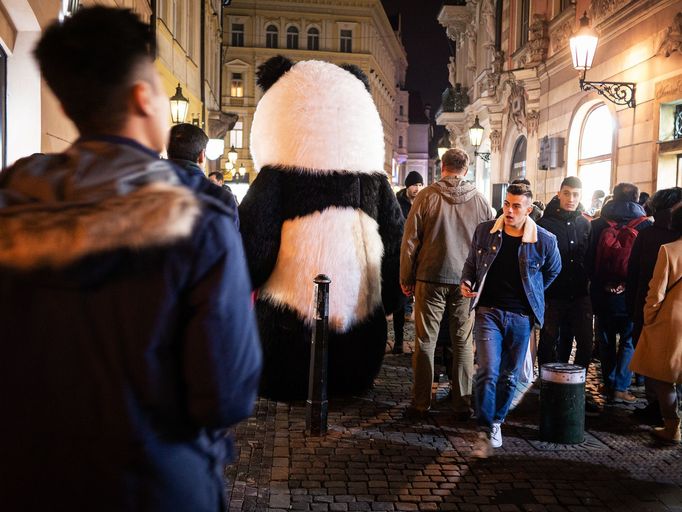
{"points": [[622, 212], [439, 230], [572, 231], [128, 339]]}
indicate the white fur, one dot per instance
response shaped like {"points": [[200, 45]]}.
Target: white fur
{"points": [[342, 243], [318, 117]]}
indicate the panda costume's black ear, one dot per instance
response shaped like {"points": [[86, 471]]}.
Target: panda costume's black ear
{"points": [[271, 71], [357, 73]]}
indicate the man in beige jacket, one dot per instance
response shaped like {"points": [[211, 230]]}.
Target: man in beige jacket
{"points": [[435, 245]]}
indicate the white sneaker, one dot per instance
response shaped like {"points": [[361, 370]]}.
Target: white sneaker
{"points": [[496, 435], [482, 447]]}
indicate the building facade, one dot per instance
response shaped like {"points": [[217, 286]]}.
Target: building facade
{"points": [[513, 63], [32, 119], [352, 31]]}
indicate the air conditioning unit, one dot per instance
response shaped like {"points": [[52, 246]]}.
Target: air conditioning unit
{"points": [[551, 153]]}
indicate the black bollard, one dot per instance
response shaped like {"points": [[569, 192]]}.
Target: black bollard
{"points": [[562, 403], [317, 405]]}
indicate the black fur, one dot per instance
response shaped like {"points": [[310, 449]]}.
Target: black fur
{"points": [[261, 219], [263, 211], [354, 357], [272, 70], [357, 73]]}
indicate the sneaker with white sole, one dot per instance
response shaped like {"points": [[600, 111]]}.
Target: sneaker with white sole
{"points": [[496, 435], [482, 448]]}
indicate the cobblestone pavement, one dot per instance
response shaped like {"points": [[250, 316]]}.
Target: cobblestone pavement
{"points": [[373, 458]]}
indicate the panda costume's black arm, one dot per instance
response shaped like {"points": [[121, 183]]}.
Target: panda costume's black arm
{"points": [[261, 225], [390, 220]]}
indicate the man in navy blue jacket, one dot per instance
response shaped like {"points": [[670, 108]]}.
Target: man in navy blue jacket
{"points": [[129, 344]]}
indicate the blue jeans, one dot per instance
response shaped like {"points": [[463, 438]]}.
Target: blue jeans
{"points": [[501, 339], [615, 357]]}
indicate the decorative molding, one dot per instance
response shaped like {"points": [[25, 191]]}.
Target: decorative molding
{"points": [[669, 88], [672, 40], [602, 9], [495, 141], [538, 41], [516, 104], [455, 19], [560, 34], [532, 122]]}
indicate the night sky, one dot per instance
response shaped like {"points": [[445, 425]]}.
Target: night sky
{"points": [[426, 45]]}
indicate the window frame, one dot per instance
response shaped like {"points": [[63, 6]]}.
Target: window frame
{"points": [[524, 22], [272, 36], [313, 37], [605, 157], [240, 33], [346, 40], [236, 83], [293, 34]]}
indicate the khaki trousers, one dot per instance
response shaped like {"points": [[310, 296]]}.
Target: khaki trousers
{"points": [[430, 301]]}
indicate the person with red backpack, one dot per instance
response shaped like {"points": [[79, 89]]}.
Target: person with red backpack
{"points": [[611, 240]]}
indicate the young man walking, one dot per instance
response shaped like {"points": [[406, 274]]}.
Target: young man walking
{"points": [[437, 235], [568, 304], [511, 263], [129, 343]]}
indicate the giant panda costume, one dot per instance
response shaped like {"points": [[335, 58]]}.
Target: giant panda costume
{"points": [[321, 204]]}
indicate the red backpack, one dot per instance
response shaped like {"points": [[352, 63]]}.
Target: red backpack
{"points": [[613, 250]]}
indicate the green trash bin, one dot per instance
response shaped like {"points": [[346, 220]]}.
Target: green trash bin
{"points": [[562, 403]]}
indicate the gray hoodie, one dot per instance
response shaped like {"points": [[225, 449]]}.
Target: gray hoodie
{"points": [[439, 230]]}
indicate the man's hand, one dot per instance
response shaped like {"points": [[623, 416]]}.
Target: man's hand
{"points": [[465, 289], [408, 289]]}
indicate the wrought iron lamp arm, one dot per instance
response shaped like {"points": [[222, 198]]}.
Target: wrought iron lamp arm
{"points": [[620, 93]]}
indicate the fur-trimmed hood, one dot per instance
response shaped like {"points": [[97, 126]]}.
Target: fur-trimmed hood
{"points": [[94, 198]]}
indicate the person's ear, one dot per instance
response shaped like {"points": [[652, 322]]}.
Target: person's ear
{"points": [[141, 97], [202, 157]]}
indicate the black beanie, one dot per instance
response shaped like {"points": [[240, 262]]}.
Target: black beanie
{"points": [[413, 178]]}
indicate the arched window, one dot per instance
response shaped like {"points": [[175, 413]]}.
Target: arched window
{"points": [[313, 39], [518, 164], [595, 151], [292, 38], [271, 36]]}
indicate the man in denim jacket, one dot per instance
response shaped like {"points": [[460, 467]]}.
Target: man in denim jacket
{"points": [[511, 263]]}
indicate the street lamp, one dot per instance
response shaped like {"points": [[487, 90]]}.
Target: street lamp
{"points": [[242, 170], [232, 155], [583, 47], [179, 105], [215, 148], [476, 137], [229, 166], [443, 145]]}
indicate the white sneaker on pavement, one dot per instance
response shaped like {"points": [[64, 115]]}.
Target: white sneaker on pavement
{"points": [[482, 447], [496, 435]]}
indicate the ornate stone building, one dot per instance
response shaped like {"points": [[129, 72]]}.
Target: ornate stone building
{"points": [[33, 121], [349, 31], [513, 60]]}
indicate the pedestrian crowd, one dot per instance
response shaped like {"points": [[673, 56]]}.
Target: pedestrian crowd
{"points": [[130, 341], [604, 278]]}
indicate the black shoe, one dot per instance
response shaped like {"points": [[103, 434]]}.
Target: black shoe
{"points": [[592, 408], [649, 415], [397, 348]]}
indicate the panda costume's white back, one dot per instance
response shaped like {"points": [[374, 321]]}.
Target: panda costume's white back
{"points": [[321, 204]]}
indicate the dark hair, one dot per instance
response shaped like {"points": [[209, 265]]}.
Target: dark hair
{"points": [[664, 199], [571, 182], [520, 181], [676, 222], [625, 192], [218, 175], [518, 189], [643, 198], [90, 62], [455, 160], [186, 142]]}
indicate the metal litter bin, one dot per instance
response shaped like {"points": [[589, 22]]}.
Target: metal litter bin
{"points": [[562, 403]]}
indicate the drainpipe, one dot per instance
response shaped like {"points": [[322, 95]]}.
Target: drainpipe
{"points": [[152, 24]]}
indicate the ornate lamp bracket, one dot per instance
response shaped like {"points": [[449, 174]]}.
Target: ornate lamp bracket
{"points": [[620, 93], [484, 156]]}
